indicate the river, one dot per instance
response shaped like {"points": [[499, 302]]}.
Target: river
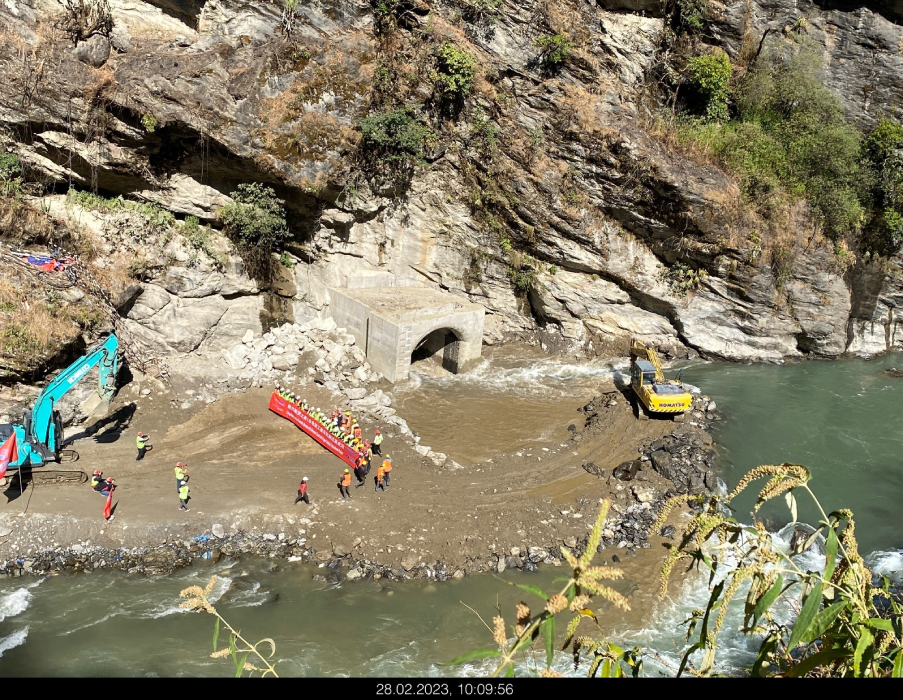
{"points": [[838, 418]]}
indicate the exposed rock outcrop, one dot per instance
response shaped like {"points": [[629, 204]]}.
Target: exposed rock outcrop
{"points": [[200, 97]]}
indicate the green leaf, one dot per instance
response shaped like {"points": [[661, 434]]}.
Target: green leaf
{"points": [[816, 660], [768, 599], [830, 553], [549, 629], [475, 655], [806, 616], [232, 647], [240, 666], [865, 641], [215, 634], [877, 623], [535, 590], [509, 671], [822, 621], [898, 666]]}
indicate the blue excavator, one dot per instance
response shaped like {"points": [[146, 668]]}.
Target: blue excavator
{"points": [[40, 436]]}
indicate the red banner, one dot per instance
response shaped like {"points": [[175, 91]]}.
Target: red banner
{"points": [[108, 506], [9, 453], [281, 407]]}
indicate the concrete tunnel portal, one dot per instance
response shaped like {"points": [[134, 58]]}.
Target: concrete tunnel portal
{"points": [[439, 346], [399, 325]]}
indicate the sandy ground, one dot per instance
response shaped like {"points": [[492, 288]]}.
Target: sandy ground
{"points": [[245, 464]]}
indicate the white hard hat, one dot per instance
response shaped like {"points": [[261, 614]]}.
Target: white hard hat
{"points": [[304, 479]]}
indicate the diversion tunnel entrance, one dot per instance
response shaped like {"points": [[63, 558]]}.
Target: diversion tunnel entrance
{"points": [[440, 348]]}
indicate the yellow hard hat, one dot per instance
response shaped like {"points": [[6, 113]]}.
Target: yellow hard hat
{"points": [[347, 471]]}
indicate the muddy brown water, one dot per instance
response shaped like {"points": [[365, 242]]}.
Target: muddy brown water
{"points": [[516, 398]]}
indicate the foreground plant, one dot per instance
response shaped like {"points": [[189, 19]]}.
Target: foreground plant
{"points": [[239, 648], [843, 627], [574, 597]]}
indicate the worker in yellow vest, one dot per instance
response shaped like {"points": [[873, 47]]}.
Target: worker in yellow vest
{"points": [[183, 497], [181, 475], [141, 444]]}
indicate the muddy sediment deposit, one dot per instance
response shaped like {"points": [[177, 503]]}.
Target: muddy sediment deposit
{"points": [[514, 510]]}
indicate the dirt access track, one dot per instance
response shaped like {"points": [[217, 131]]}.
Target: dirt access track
{"points": [[245, 463]]}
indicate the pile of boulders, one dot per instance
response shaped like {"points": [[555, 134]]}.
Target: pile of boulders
{"points": [[334, 357]]}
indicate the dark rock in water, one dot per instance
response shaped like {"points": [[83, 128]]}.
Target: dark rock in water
{"points": [[627, 470], [668, 531], [894, 372], [513, 563], [615, 558], [594, 469], [799, 537], [318, 577]]}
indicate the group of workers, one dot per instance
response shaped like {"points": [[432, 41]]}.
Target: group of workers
{"points": [[344, 427], [105, 486], [340, 425], [101, 485]]}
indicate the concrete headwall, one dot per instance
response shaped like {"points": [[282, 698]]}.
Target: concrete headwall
{"points": [[389, 335]]}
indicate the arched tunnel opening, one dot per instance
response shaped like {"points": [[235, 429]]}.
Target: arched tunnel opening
{"points": [[440, 348]]}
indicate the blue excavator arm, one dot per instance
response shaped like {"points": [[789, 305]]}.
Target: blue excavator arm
{"points": [[41, 437]]}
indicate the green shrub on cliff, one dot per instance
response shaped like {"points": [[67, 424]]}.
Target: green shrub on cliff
{"points": [[709, 76], [256, 217], [789, 134], [394, 135], [884, 150], [453, 74], [553, 50]]}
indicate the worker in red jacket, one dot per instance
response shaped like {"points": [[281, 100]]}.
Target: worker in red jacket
{"points": [[302, 492]]}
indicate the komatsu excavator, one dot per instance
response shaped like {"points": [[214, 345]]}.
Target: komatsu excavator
{"points": [[40, 436], [655, 395]]}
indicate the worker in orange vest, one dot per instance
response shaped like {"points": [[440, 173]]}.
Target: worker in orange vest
{"points": [[387, 469], [345, 483], [379, 480]]}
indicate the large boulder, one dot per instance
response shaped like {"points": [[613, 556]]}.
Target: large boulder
{"points": [[94, 51]]}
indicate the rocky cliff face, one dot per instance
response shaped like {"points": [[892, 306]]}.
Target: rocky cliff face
{"points": [[565, 222]]}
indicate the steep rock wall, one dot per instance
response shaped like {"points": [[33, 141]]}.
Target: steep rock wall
{"points": [[600, 203]]}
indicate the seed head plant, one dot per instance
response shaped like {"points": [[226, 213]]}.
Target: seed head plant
{"points": [[844, 627], [239, 648], [574, 598]]}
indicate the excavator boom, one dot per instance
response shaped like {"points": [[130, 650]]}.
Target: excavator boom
{"points": [[41, 435]]}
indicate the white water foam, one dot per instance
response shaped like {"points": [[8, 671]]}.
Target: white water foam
{"points": [[17, 602], [887, 563], [14, 640], [541, 375], [663, 637]]}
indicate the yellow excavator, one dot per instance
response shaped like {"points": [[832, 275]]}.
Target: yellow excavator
{"points": [[655, 395]]}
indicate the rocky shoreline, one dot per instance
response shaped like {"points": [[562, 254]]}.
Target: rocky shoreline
{"points": [[680, 462]]}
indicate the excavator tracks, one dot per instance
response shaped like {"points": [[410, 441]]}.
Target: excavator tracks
{"points": [[45, 477]]}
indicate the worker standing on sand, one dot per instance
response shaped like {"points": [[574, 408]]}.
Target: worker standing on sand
{"points": [[377, 441], [302, 492], [181, 475], [183, 497], [344, 484], [360, 471], [387, 469], [141, 443], [379, 480]]}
